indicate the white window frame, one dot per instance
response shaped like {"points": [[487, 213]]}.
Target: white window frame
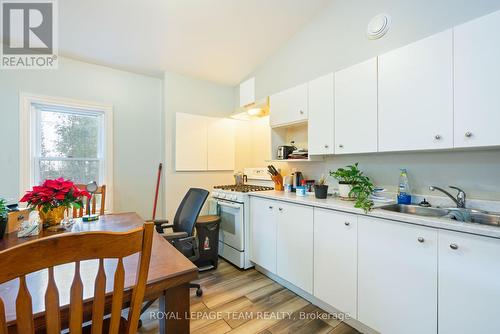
{"points": [[28, 127]]}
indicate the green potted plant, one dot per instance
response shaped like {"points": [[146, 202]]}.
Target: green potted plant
{"points": [[354, 185], [320, 188], [4, 217]]}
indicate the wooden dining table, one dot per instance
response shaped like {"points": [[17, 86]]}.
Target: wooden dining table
{"points": [[168, 278]]}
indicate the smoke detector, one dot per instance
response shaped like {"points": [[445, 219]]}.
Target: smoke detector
{"points": [[378, 26]]}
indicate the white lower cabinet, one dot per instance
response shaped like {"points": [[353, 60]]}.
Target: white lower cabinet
{"points": [[335, 259], [469, 283], [263, 233], [295, 245], [397, 277]]}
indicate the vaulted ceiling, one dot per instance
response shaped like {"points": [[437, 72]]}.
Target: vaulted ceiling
{"points": [[217, 40]]}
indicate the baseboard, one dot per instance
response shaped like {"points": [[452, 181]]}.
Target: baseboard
{"points": [[359, 326]]}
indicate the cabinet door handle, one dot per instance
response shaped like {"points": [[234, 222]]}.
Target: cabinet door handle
{"points": [[301, 112], [270, 207], [420, 239], [281, 209], [437, 137], [341, 145], [468, 134], [326, 146], [347, 223], [454, 246]]}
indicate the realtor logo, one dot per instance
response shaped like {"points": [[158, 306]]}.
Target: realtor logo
{"points": [[29, 34]]}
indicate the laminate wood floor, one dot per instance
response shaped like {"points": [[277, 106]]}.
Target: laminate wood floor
{"points": [[245, 301]]}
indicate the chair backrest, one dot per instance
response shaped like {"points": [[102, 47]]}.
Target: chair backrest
{"points": [[86, 209], [189, 210], [46, 253]]}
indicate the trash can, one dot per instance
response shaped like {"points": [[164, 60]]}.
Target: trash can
{"points": [[207, 230]]}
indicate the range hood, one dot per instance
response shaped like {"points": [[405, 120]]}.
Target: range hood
{"points": [[251, 111]]}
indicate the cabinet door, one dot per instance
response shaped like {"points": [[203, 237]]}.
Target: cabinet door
{"points": [[289, 106], [295, 245], [416, 95], [397, 277], [321, 116], [263, 233], [469, 284], [190, 142], [220, 144], [477, 80], [247, 92], [336, 259], [356, 108]]}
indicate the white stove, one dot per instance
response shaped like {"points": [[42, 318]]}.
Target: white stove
{"points": [[233, 208]]}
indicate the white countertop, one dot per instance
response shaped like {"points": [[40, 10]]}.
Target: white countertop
{"points": [[348, 206]]}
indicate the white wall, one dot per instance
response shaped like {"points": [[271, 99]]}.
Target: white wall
{"points": [[192, 96], [137, 103], [336, 39]]}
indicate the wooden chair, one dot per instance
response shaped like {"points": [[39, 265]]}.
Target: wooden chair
{"points": [[46, 253], [86, 207]]}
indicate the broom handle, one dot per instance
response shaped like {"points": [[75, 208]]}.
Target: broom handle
{"points": [[157, 189]]}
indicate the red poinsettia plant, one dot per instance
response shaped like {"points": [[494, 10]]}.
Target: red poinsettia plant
{"points": [[53, 194]]}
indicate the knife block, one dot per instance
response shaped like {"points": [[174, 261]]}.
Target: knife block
{"points": [[278, 182]]}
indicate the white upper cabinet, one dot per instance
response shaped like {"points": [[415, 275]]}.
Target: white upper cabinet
{"points": [[397, 277], [247, 92], [477, 82], [416, 95], [356, 108], [336, 259], [190, 142], [220, 143], [294, 247], [204, 143], [469, 284], [289, 106], [321, 116]]}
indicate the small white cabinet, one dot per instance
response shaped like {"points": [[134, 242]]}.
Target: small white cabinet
{"points": [[294, 247], [247, 92], [263, 233], [397, 277], [356, 108], [321, 116], [289, 106], [416, 95], [469, 284], [477, 82], [336, 259]]}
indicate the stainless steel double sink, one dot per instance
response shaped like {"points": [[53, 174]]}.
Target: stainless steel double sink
{"points": [[472, 216]]}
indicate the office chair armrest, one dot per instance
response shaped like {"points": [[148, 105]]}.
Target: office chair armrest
{"points": [[176, 236], [161, 224]]}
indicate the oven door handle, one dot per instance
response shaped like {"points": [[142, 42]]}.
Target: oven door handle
{"points": [[234, 206]]}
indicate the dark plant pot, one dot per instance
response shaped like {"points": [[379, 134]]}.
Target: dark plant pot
{"points": [[3, 225], [320, 191]]}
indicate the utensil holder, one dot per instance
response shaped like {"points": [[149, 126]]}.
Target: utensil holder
{"points": [[278, 182]]}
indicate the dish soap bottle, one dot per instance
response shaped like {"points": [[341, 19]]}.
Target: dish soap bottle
{"points": [[404, 196]]}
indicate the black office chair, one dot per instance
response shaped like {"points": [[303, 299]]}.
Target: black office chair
{"points": [[182, 237]]}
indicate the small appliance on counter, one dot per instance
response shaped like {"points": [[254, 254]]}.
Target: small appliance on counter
{"points": [[284, 151], [297, 180]]}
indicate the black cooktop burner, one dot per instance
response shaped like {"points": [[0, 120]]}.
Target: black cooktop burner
{"points": [[243, 188]]}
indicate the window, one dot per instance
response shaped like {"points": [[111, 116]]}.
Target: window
{"points": [[68, 144], [65, 138]]}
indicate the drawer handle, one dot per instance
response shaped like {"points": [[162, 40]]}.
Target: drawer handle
{"points": [[454, 246], [420, 239], [301, 112], [347, 223], [437, 137], [281, 209], [326, 146], [270, 207], [341, 146], [468, 134]]}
